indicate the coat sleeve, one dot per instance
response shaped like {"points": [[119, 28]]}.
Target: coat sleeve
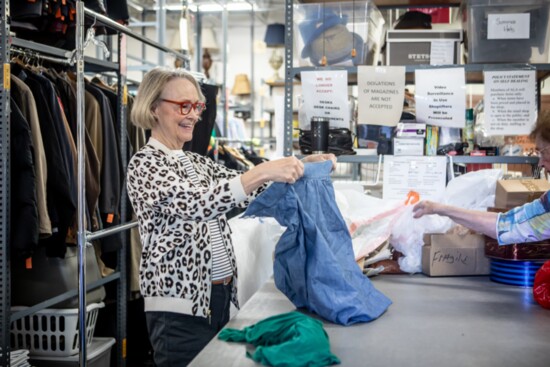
{"points": [[527, 223]]}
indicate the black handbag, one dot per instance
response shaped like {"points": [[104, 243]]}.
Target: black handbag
{"points": [[340, 141]]}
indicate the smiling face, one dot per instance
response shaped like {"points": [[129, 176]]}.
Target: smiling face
{"points": [[174, 129]]}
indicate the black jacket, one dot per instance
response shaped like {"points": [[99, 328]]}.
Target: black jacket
{"points": [[24, 229]]}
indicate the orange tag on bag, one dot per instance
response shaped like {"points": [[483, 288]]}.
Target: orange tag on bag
{"points": [[28, 263], [110, 217]]}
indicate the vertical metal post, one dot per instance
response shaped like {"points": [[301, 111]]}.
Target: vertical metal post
{"points": [[161, 28], [252, 94], [225, 18], [5, 301], [122, 287], [198, 39], [143, 45], [79, 42], [289, 76]]}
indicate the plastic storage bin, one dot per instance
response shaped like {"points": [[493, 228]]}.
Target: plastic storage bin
{"points": [[499, 31], [52, 332], [414, 47], [519, 273], [331, 30], [52, 276], [98, 355]]}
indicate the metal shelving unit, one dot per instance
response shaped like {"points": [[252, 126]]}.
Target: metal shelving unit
{"points": [[4, 186], [474, 74], [82, 64]]}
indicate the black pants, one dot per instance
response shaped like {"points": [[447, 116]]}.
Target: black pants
{"points": [[178, 338]]}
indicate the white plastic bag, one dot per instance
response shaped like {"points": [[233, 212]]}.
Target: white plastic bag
{"points": [[473, 190]]}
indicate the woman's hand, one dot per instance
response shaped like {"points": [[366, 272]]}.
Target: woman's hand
{"points": [[425, 207], [288, 170], [320, 158]]}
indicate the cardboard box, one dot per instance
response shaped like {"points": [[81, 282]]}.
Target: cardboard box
{"points": [[453, 254], [512, 193], [410, 130], [408, 146], [414, 47]]}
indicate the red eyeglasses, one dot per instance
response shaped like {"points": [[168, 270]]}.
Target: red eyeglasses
{"points": [[186, 106]]}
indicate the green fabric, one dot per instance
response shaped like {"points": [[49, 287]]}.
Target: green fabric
{"points": [[287, 340]]}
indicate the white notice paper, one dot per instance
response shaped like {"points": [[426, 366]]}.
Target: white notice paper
{"points": [[510, 102], [425, 175], [381, 94], [326, 95], [508, 26], [440, 97], [442, 53]]}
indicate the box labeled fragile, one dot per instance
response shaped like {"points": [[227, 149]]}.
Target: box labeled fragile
{"points": [[511, 193], [423, 47], [453, 254]]}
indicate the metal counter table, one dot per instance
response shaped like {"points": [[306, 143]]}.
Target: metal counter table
{"points": [[451, 321]]}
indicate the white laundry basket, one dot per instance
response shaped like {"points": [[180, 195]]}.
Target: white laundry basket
{"points": [[52, 332]]}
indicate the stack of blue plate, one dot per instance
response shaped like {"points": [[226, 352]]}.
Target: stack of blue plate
{"points": [[513, 272]]}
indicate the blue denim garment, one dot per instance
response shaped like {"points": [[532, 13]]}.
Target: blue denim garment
{"points": [[314, 262]]}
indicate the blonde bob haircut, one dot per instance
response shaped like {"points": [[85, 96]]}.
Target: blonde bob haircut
{"points": [[149, 92]]}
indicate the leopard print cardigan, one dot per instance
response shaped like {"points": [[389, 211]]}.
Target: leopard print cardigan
{"points": [[176, 260]]}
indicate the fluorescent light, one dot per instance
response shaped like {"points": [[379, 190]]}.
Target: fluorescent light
{"points": [[206, 7], [213, 7]]}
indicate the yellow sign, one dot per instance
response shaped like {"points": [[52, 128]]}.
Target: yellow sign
{"points": [[125, 95], [7, 78]]}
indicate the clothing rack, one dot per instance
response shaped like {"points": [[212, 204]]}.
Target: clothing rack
{"points": [[222, 140], [31, 54], [80, 62]]}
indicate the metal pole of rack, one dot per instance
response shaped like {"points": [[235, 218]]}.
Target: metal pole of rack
{"points": [[161, 28], [225, 19], [289, 77], [81, 188], [252, 79], [120, 28], [5, 301], [111, 230], [122, 284]]}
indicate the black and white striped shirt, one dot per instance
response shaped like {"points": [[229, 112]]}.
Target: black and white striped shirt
{"points": [[221, 265]]}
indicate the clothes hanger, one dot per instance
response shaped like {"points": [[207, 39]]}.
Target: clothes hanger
{"points": [[90, 38]]}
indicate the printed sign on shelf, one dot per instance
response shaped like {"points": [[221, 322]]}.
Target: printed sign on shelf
{"points": [[425, 175], [510, 102], [440, 97], [381, 94], [326, 95]]}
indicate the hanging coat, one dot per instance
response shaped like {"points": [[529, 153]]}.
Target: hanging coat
{"points": [[314, 262]]}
